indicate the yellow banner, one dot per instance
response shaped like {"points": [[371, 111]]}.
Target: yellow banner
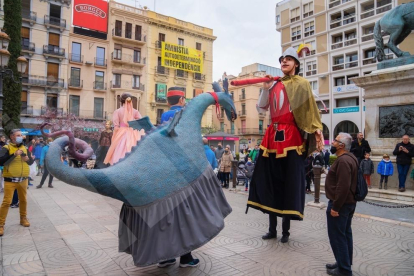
{"points": [[181, 57]]}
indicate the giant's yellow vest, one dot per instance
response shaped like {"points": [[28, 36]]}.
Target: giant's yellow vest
{"points": [[17, 167]]}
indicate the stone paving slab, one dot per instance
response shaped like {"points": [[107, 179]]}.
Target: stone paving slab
{"points": [[74, 232]]}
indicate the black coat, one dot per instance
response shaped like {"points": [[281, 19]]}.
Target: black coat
{"points": [[402, 157], [359, 150]]}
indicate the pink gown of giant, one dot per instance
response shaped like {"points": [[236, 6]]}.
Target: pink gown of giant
{"points": [[124, 137]]}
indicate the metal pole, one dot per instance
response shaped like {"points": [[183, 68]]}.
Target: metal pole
{"points": [[234, 172], [1, 102], [317, 169]]}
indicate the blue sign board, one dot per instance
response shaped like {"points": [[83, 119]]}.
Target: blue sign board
{"points": [[346, 109]]}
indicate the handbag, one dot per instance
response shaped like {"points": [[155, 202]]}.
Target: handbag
{"points": [[33, 170]]}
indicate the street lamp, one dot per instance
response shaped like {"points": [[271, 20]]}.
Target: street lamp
{"points": [[4, 71]]}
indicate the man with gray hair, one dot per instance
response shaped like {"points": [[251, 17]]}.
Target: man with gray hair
{"points": [[340, 187]]}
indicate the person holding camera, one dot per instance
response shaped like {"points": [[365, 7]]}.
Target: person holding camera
{"points": [[15, 160], [404, 152]]}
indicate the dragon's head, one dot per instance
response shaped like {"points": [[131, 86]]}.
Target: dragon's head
{"points": [[226, 102]]}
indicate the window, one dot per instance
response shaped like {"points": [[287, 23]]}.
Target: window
{"points": [[312, 47], [99, 80], [338, 60], [138, 32], [348, 78], [232, 95], [337, 38], [98, 108], [277, 19], [301, 70], [369, 30], [76, 52], [161, 37], [339, 81], [100, 56], [198, 46], [261, 126], [52, 73], [25, 34], [128, 30], [116, 82], [117, 52], [54, 11], [314, 85], [75, 77], [159, 114], [74, 104], [232, 127], [135, 81], [181, 41], [307, 9], [311, 68], [309, 28], [350, 35], [24, 102], [118, 28], [351, 60], [347, 102], [243, 93], [54, 42], [222, 126], [137, 56], [296, 33], [51, 101], [294, 15], [320, 105], [243, 109]]}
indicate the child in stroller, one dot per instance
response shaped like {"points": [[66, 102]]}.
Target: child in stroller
{"points": [[245, 172]]}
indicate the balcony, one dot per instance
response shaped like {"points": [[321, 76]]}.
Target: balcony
{"points": [[75, 83], [199, 77], [158, 44], [99, 86], [181, 74], [138, 86], [334, 3], [100, 62], [351, 64], [124, 58], [350, 42], [162, 70], [55, 22], [231, 131], [337, 45], [29, 16], [311, 73], [53, 51], [89, 114], [367, 13], [384, 8], [136, 39], [46, 109], [250, 131], [367, 37], [242, 97], [338, 67], [28, 47], [40, 81], [335, 23], [242, 113], [345, 88], [76, 58], [310, 13], [370, 60], [294, 19], [349, 18], [26, 110]]}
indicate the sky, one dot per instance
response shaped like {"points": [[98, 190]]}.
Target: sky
{"points": [[245, 30]]}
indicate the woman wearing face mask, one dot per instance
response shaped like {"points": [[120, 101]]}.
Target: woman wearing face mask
{"points": [[225, 166]]}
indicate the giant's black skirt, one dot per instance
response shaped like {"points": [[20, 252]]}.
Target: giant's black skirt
{"points": [[278, 185], [100, 157]]}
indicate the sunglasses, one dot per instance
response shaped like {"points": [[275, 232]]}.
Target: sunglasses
{"points": [[338, 141]]}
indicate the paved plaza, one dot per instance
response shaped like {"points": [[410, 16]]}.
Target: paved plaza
{"points": [[74, 232]]}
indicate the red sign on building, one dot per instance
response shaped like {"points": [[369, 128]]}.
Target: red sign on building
{"points": [[91, 14]]}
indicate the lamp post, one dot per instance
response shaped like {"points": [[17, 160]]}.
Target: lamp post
{"points": [[7, 72]]}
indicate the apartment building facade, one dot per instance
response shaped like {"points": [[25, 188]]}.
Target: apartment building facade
{"points": [[44, 40], [250, 125], [340, 33], [159, 78]]}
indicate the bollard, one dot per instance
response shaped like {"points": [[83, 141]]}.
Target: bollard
{"points": [[234, 172], [317, 170]]}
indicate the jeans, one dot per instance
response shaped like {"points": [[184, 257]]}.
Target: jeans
{"points": [[384, 178], [9, 188], [340, 235], [402, 174], [273, 224], [225, 178], [246, 182]]}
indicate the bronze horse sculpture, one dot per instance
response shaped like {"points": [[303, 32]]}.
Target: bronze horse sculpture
{"points": [[398, 23]]}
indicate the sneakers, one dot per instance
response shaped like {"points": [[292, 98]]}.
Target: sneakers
{"points": [[166, 263], [30, 184], [284, 239], [193, 263], [24, 221], [1, 230], [14, 205]]}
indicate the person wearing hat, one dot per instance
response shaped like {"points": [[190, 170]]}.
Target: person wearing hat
{"points": [[278, 182], [176, 101], [385, 169]]}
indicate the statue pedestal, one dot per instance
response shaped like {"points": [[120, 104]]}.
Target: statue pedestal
{"points": [[396, 62], [389, 114]]}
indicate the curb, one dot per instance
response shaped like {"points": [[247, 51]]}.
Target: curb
{"points": [[391, 221]]}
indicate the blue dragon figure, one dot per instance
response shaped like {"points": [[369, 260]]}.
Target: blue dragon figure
{"points": [[173, 202]]}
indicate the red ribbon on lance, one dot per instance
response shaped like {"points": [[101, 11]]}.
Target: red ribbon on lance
{"points": [[214, 95]]}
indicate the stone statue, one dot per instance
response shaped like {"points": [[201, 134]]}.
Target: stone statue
{"points": [[398, 23]]}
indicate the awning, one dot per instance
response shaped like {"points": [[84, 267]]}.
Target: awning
{"points": [[215, 138], [32, 132]]}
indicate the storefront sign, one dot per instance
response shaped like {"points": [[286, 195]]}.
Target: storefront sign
{"points": [[346, 109], [91, 14], [181, 57]]}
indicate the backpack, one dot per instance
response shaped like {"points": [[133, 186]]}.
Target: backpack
{"points": [[361, 187]]}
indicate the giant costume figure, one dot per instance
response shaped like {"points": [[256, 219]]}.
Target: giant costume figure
{"points": [[173, 202], [278, 181]]}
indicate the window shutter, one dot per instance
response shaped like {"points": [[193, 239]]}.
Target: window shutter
{"points": [[54, 39], [53, 70], [25, 32]]}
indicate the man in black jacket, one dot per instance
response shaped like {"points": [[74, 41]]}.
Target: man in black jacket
{"points": [[405, 153], [360, 146]]}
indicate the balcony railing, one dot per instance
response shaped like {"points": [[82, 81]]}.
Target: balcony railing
{"points": [[29, 15], [311, 73], [120, 57], [76, 58], [162, 70], [158, 44], [351, 64], [26, 110], [334, 3], [384, 8], [338, 67], [199, 77], [337, 45], [350, 42], [138, 86], [306, 14], [117, 84], [53, 50], [294, 19], [250, 131], [370, 60], [28, 46], [55, 21], [99, 85], [181, 74], [242, 113], [367, 37], [100, 62], [335, 23], [368, 13], [242, 97], [348, 19], [45, 109], [75, 83], [89, 114], [52, 82]]}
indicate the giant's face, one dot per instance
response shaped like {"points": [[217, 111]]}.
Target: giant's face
{"points": [[288, 64]]}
